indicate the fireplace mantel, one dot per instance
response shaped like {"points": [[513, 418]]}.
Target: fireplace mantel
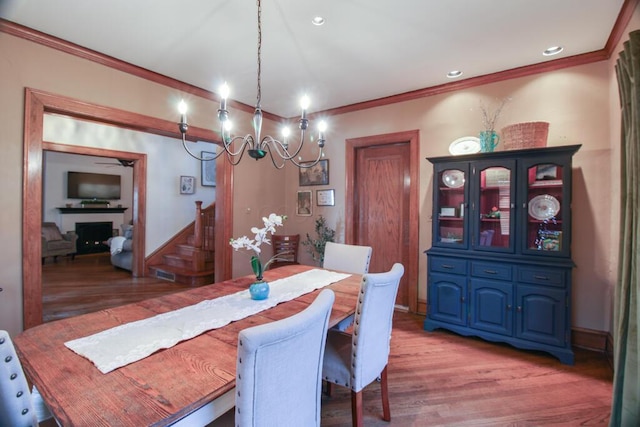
{"points": [[89, 210]]}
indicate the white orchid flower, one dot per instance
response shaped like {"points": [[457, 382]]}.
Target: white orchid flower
{"points": [[261, 235]]}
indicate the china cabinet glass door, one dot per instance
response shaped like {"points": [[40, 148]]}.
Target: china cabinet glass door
{"points": [[545, 209], [450, 227], [493, 204]]}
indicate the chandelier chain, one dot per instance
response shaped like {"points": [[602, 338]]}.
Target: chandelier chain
{"points": [[259, 95]]}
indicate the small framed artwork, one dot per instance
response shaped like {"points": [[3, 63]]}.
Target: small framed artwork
{"points": [[303, 206], [317, 174], [325, 198], [208, 169], [448, 211], [187, 184]]}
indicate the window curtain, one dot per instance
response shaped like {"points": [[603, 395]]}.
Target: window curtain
{"points": [[625, 408]]}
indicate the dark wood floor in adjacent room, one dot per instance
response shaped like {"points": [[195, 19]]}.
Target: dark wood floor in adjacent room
{"points": [[435, 379], [90, 283]]}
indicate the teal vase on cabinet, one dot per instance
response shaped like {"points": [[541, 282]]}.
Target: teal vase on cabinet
{"points": [[489, 140]]}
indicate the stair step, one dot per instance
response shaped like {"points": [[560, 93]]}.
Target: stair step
{"points": [[186, 250], [182, 275], [177, 260]]}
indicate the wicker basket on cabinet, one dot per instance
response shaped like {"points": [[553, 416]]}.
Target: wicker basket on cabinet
{"points": [[525, 135]]}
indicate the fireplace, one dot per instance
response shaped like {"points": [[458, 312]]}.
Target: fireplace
{"points": [[92, 237]]}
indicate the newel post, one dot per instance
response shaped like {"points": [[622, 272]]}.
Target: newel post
{"points": [[198, 226]]}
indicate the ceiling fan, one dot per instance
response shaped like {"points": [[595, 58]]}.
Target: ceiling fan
{"points": [[121, 162]]}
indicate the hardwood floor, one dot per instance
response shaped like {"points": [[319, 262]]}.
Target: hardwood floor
{"points": [[90, 283], [443, 379], [436, 379]]}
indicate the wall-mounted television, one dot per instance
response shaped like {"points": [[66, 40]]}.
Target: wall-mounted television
{"points": [[87, 185]]}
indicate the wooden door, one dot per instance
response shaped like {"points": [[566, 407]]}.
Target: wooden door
{"points": [[382, 206]]}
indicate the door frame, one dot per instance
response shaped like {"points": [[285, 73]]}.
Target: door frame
{"points": [[37, 104], [413, 138]]}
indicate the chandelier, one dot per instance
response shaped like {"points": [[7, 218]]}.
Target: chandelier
{"points": [[258, 147]]}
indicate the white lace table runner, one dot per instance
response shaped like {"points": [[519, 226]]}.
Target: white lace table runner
{"points": [[128, 343]]}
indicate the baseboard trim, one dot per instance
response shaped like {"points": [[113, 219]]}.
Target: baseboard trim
{"points": [[589, 339], [422, 307]]}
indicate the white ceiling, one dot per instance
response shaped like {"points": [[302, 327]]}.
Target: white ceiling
{"points": [[367, 49]]}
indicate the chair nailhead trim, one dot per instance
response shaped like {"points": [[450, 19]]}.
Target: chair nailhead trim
{"points": [[19, 394], [25, 411], [1, 340], [8, 359], [13, 376]]}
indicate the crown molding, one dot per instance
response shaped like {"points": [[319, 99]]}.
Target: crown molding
{"points": [[626, 12]]}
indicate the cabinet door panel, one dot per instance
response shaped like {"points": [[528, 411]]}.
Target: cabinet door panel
{"points": [[447, 298], [540, 314], [546, 207], [450, 227], [493, 198], [491, 306]]}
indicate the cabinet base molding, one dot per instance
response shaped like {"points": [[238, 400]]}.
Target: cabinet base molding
{"points": [[564, 354]]}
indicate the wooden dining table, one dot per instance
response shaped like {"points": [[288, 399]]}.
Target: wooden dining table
{"points": [[190, 383]]}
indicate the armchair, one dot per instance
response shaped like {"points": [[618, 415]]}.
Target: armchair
{"points": [[122, 248], [55, 243]]}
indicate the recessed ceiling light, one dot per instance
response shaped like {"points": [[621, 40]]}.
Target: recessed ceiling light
{"points": [[453, 74], [318, 20], [554, 50]]}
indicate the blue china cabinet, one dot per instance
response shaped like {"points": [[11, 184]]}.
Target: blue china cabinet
{"points": [[500, 263]]}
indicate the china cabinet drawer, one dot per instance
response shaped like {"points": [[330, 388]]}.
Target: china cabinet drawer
{"points": [[539, 276], [448, 265], [491, 270]]}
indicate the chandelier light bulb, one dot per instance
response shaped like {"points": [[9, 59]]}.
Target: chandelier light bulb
{"points": [[286, 132], [182, 107], [224, 90], [304, 103], [322, 127]]}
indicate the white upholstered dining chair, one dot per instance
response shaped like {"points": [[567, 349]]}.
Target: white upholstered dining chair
{"points": [[347, 258], [352, 259], [18, 406], [279, 367], [357, 359]]}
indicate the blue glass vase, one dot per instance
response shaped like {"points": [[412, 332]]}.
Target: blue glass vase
{"points": [[489, 140], [259, 290]]}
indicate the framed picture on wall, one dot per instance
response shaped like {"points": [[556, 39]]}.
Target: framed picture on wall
{"points": [[208, 172], [187, 184], [325, 197], [315, 175], [303, 205]]}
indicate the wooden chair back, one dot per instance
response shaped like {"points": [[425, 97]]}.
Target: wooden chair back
{"points": [[287, 246]]}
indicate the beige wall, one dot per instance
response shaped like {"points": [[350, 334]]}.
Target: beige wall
{"points": [[25, 64], [576, 104], [579, 103]]}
